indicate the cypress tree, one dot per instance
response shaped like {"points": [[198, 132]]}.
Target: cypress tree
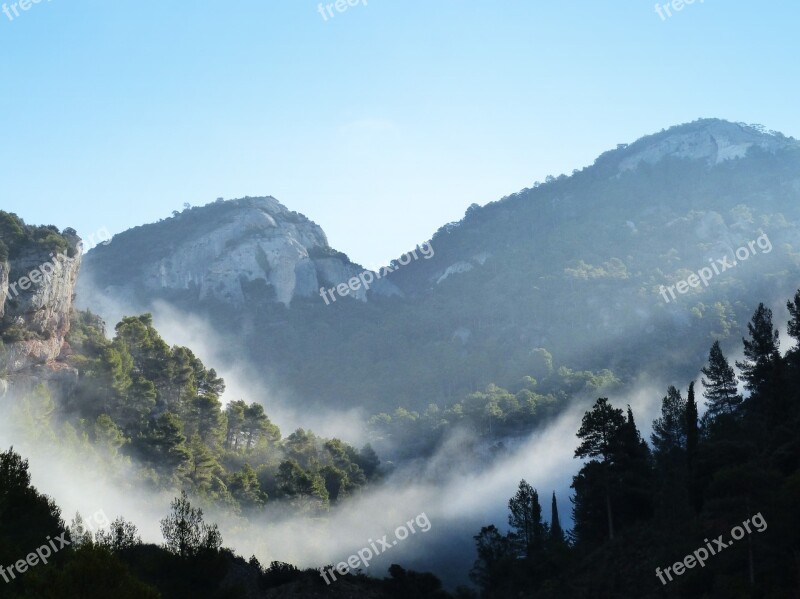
{"points": [[691, 425], [556, 532], [692, 440]]}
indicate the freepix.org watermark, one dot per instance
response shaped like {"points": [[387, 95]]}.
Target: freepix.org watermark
{"points": [[46, 269], [704, 275], [700, 556], [368, 277], [366, 554], [326, 10], [23, 5], [42, 554], [676, 5]]}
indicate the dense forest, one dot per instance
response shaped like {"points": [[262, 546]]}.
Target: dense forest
{"points": [[160, 407], [723, 487], [493, 414], [638, 508]]}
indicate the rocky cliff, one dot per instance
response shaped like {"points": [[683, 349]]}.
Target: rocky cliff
{"points": [[230, 251], [37, 283]]}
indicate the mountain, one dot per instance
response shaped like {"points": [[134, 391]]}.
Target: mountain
{"points": [[230, 252], [570, 275]]}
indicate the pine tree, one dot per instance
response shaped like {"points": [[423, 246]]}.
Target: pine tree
{"points": [[246, 489], [794, 322], [760, 351], [599, 431], [235, 424], [599, 434], [163, 446], [494, 557], [669, 431], [793, 329], [202, 466], [632, 473], [721, 392], [525, 520]]}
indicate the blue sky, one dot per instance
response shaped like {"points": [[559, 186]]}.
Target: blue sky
{"points": [[381, 123]]}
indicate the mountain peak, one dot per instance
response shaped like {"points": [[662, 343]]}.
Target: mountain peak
{"points": [[712, 140], [236, 251]]}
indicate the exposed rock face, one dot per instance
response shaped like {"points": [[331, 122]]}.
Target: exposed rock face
{"points": [[236, 249], [712, 140], [36, 290], [3, 287]]}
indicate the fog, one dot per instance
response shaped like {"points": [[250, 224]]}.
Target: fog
{"points": [[456, 495], [458, 491]]}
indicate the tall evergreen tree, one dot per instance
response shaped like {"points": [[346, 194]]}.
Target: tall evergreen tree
{"points": [[494, 559], [793, 329], [794, 312], [235, 424], [525, 520], [721, 392], [556, 532], [692, 443], [760, 351], [632, 473], [599, 434], [692, 433], [669, 430], [599, 431]]}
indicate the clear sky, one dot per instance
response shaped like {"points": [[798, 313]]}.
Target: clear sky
{"points": [[380, 123]]}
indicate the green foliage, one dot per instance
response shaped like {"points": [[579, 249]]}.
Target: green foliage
{"points": [[138, 398], [16, 236], [185, 532], [494, 413], [307, 486]]}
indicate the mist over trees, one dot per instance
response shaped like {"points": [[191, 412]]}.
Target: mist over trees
{"points": [[638, 506]]}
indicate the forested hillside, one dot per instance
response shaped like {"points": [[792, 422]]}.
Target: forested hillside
{"points": [[570, 266], [159, 407], [717, 493]]}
